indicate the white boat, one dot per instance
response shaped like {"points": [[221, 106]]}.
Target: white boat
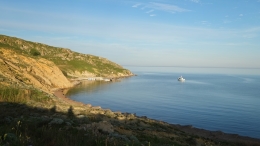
{"points": [[181, 79]]}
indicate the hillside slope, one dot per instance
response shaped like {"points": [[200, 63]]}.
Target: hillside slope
{"points": [[71, 63], [26, 64]]}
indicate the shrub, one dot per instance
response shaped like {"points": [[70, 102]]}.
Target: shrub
{"points": [[35, 52]]}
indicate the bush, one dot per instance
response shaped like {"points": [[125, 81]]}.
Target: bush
{"points": [[35, 52]]}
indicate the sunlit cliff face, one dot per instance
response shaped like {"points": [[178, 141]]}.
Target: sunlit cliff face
{"points": [[40, 73]]}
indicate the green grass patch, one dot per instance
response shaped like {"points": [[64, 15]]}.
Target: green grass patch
{"points": [[12, 94], [80, 65]]}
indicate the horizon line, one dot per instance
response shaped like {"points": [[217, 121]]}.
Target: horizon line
{"points": [[192, 66]]}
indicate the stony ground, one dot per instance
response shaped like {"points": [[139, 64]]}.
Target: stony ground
{"points": [[61, 121]]}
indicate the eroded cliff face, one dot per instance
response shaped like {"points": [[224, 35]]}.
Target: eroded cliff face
{"points": [[37, 72]]}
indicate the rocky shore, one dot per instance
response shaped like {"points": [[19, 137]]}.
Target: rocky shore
{"points": [[129, 127]]}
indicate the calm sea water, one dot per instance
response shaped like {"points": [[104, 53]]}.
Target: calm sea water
{"points": [[213, 100]]}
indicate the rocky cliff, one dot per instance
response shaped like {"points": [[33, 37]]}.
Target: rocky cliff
{"points": [[29, 64], [24, 71]]}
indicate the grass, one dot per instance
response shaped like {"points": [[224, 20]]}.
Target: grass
{"points": [[80, 65], [9, 94], [13, 94]]}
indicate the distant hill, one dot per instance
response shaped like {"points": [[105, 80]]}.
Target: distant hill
{"points": [[26, 63]]}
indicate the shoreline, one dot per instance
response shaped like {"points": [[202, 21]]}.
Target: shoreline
{"points": [[189, 129], [59, 92]]}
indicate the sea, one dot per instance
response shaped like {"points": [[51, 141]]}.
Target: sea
{"points": [[217, 99]]}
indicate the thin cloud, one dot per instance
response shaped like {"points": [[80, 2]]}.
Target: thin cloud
{"points": [[160, 7], [152, 15], [136, 5], [166, 7], [204, 22], [241, 15], [195, 1], [150, 11]]}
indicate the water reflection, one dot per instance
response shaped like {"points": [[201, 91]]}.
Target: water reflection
{"points": [[87, 87]]}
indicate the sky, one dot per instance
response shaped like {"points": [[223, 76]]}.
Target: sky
{"points": [[188, 33]]}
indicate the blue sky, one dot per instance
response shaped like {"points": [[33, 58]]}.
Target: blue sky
{"points": [[190, 33]]}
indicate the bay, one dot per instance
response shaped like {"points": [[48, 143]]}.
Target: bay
{"points": [[211, 98]]}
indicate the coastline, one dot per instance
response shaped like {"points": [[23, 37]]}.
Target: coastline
{"points": [[59, 93], [188, 129]]}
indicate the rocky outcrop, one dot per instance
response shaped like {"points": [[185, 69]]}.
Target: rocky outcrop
{"points": [[79, 74], [37, 72]]}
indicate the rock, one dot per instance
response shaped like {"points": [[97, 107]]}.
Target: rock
{"points": [[121, 117], [81, 116], [104, 126], [130, 116], [117, 113], [109, 113], [94, 112], [56, 121], [88, 105], [96, 107]]}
